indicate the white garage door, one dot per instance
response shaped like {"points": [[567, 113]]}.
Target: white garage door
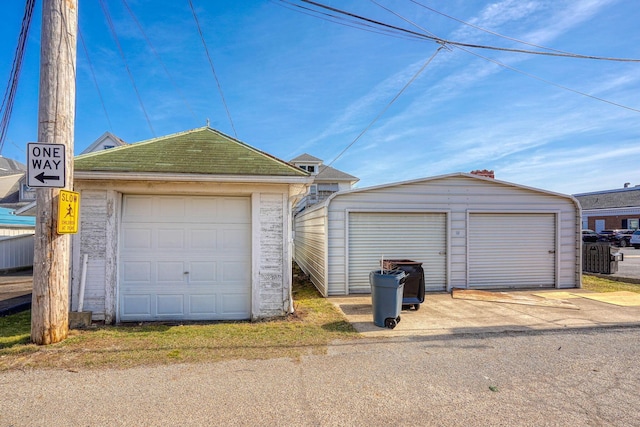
{"points": [[185, 258], [418, 237], [512, 250]]}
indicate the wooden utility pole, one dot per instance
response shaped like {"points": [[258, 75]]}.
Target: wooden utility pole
{"points": [[56, 111]]}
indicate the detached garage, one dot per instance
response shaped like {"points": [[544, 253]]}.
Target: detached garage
{"points": [[191, 226], [467, 231]]}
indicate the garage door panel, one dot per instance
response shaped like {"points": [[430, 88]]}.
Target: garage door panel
{"points": [[136, 271], [137, 208], [179, 265], [203, 304], [235, 239], [170, 305], [503, 255], [136, 238], [417, 236], [170, 272], [233, 305], [235, 272], [171, 238], [136, 305], [203, 239], [234, 211], [171, 207], [202, 272]]}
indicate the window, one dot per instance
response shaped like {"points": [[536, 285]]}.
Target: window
{"points": [[308, 168]]}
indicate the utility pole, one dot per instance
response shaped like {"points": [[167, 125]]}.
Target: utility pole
{"points": [[56, 114]]}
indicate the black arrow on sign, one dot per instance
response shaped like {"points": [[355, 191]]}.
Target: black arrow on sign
{"points": [[41, 177]]}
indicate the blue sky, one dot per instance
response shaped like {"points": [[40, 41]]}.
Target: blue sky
{"points": [[294, 83]]}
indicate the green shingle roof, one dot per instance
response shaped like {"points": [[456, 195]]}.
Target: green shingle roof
{"points": [[199, 151]]}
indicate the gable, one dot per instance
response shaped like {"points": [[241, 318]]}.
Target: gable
{"points": [[199, 151]]}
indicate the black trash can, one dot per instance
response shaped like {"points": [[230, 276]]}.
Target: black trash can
{"points": [[386, 296], [413, 294]]}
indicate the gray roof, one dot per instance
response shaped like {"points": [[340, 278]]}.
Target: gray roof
{"points": [[327, 173], [620, 198], [11, 167], [306, 158]]}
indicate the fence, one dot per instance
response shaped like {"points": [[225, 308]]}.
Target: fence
{"points": [[16, 252]]}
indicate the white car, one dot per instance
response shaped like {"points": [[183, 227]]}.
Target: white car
{"points": [[635, 239]]}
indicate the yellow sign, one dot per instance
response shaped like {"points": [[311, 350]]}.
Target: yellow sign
{"points": [[68, 212]]}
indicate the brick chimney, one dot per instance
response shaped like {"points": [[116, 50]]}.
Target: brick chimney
{"points": [[483, 172]]}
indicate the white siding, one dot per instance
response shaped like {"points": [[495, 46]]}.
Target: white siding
{"points": [[15, 231], [98, 236], [92, 240], [16, 251], [310, 246], [456, 195], [274, 283]]}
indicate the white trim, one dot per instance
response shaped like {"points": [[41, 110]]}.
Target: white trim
{"points": [[634, 210], [189, 177], [255, 255]]}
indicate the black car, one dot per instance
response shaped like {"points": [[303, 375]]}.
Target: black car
{"points": [[590, 236], [617, 237]]}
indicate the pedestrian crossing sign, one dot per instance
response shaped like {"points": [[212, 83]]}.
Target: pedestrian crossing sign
{"points": [[68, 212]]}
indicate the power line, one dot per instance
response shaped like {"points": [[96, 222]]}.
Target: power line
{"points": [[486, 30], [16, 68], [343, 21], [442, 41], [224, 102], [415, 76], [521, 71], [126, 65]]}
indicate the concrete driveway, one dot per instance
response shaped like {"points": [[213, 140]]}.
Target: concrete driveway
{"points": [[441, 314]]}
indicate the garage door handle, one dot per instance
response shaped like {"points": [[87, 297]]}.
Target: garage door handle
{"points": [[552, 252]]}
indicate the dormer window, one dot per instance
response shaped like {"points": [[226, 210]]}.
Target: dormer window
{"points": [[309, 168]]}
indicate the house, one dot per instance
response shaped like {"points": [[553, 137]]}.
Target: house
{"points": [[13, 225], [611, 209], [106, 141], [326, 180], [13, 190], [191, 226], [468, 231]]}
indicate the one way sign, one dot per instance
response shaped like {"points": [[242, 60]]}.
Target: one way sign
{"points": [[46, 165]]}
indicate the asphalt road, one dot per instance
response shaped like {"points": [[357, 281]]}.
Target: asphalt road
{"points": [[560, 378], [630, 267]]}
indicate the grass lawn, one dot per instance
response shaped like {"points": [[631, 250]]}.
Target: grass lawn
{"points": [[599, 284], [315, 323]]}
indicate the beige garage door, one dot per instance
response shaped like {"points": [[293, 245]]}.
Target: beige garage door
{"points": [[419, 237], [512, 250], [185, 258]]}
